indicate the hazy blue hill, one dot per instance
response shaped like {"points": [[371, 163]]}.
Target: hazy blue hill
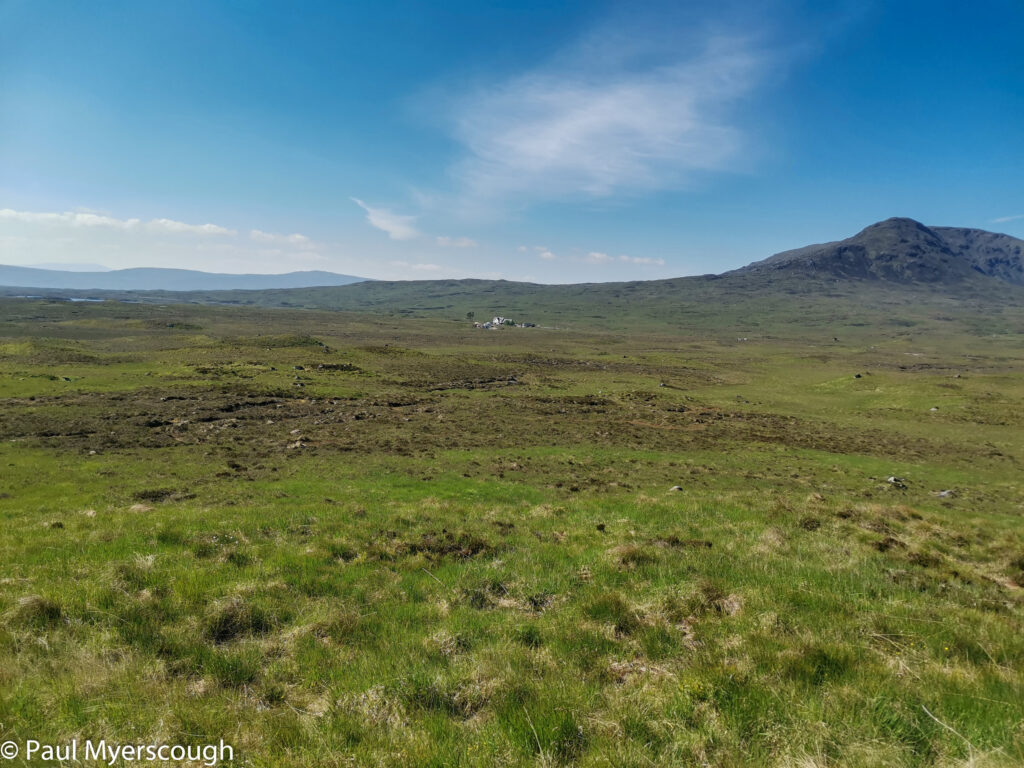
{"points": [[150, 279]]}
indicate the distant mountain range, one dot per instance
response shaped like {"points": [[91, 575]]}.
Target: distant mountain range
{"points": [[906, 251], [897, 268], [147, 279], [897, 250]]}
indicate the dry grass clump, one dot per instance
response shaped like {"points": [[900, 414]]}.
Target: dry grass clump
{"points": [[36, 611], [710, 598]]}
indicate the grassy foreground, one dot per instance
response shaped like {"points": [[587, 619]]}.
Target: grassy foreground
{"points": [[334, 539]]}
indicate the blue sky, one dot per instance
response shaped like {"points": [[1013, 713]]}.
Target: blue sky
{"points": [[554, 142]]}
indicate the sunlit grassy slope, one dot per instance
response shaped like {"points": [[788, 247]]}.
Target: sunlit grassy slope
{"points": [[342, 539]]}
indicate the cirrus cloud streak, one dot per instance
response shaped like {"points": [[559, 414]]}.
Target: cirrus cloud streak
{"points": [[580, 128]]}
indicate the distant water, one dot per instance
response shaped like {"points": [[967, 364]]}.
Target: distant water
{"points": [[55, 298]]}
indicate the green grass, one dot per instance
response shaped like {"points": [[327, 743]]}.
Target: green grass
{"points": [[450, 547]]}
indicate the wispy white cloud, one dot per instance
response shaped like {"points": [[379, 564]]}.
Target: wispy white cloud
{"points": [[170, 225], [85, 219], [1006, 219], [600, 122], [398, 226], [596, 257], [68, 218], [542, 251], [295, 239], [642, 260], [456, 242], [82, 236]]}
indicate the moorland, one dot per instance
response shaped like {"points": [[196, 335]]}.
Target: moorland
{"points": [[752, 526]]}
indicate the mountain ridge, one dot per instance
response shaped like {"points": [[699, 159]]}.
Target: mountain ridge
{"points": [[903, 250]]}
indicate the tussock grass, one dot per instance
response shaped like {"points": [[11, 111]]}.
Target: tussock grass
{"points": [[452, 569]]}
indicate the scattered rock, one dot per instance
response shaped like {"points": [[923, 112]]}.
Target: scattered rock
{"points": [[945, 494], [897, 482], [676, 488]]}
